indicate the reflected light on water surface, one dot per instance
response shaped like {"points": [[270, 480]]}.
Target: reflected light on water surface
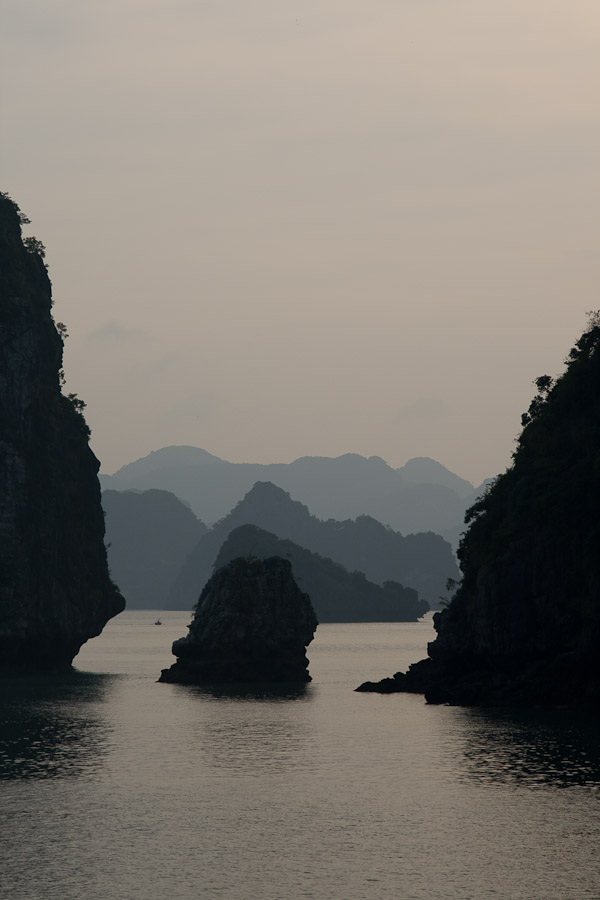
{"points": [[52, 726], [558, 748]]}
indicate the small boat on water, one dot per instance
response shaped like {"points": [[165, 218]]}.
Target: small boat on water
{"points": [[158, 622]]}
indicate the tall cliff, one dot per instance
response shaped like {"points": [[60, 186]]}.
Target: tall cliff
{"points": [[55, 590], [523, 628]]}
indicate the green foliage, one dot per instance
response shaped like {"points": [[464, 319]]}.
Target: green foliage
{"points": [[544, 385], [23, 220], [451, 586], [78, 404], [35, 246]]}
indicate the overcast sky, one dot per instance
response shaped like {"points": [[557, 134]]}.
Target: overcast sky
{"points": [[279, 229]]}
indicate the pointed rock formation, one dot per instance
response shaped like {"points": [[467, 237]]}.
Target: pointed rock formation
{"points": [[252, 624], [55, 591]]}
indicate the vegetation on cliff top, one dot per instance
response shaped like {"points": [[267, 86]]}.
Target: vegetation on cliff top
{"points": [[553, 485], [523, 626]]}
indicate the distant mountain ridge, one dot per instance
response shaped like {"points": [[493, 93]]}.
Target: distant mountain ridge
{"points": [[421, 496], [174, 455], [149, 535], [423, 562], [336, 594]]}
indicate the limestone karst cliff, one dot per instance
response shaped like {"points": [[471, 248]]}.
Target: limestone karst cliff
{"points": [[252, 624], [523, 628], [55, 590]]}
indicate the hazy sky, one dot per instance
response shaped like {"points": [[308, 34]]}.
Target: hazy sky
{"points": [[277, 229]]}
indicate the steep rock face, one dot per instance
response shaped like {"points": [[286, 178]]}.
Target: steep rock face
{"points": [[55, 591], [252, 624], [524, 626]]}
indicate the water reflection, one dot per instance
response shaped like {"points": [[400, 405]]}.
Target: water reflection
{"points": [[534, 747], [253, 745], [269, 693], [50, 726], [250, 729]]}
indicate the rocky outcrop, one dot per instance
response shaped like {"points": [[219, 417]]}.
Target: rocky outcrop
{"points": [[524, 626], [55, 591], [252, 624]]}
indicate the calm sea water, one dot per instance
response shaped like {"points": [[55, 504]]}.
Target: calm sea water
{"points": [[113, 786]]}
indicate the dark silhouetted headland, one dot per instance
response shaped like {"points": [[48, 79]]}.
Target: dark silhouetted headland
{"points": [[523, 628], [55, 590]]}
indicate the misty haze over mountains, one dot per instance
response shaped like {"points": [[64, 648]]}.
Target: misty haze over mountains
{"points": [[337, 595], [162, 555], [149, 535], [423, 562], [420, 496], [355, 571]]}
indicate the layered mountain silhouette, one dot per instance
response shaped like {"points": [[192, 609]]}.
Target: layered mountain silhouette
{"points": [[336, 594], [421, 496], [149, 535], [423, 562]]}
